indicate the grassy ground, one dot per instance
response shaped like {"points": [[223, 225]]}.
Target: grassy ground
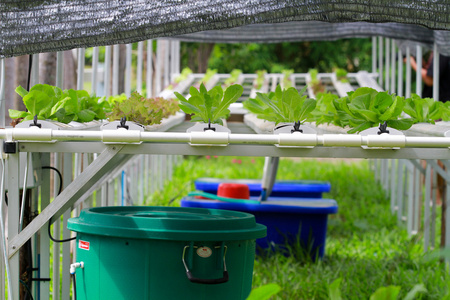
{"points": [[365, 246]]}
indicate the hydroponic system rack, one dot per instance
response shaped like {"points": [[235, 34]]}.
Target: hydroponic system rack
{"points": [[107, 152]]}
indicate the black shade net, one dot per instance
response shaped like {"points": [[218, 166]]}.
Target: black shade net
{"points": [[34, 26]]}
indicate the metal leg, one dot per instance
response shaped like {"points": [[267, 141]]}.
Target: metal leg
{"points": [[104, 163], [393, 178], [433, 210], [44, 243], [417, 197], [402, 181], [410, 212], [13, 164], [447, 211], [427, 207], [65, 278]]}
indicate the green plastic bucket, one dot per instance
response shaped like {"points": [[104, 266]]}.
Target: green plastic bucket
{"points": [[164, 253]]}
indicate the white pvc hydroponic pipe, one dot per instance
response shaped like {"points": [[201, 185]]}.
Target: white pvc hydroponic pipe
{"points": [[221, 138]]}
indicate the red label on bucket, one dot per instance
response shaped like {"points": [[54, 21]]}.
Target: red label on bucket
{"points": [[83, 245]]}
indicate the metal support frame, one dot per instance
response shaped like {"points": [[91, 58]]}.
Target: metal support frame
{"points": [[103, 164], [435, 73]]}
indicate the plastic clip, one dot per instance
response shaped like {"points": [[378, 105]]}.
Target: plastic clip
{"points": [[209, 126], [122, 123], [35, 123], [383, 128], [297, 127]]}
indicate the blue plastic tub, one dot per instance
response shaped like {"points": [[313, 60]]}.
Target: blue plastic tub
{"points": [[286, 219], [294, 188]]}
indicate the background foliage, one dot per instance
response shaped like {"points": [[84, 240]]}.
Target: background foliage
{"points": [[350, 54]]}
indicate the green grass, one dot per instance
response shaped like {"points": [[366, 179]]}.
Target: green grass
{"points": [[365, 246]]}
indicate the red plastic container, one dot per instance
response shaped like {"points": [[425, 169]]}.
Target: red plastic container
{"points": [[233, 190]]}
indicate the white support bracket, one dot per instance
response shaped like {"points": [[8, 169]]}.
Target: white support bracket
{"points": [[107, 160]]}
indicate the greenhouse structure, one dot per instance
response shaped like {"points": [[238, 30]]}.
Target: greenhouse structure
{"points": [[57, 169]]}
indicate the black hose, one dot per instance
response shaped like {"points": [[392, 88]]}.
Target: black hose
{"points": [[27, 288], [59, 175], [74, 286], [59, 192], [30, 63]]}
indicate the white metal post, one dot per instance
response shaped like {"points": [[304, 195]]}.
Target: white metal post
{"points": [[177, 57], [66, 259], [417, 200], [408, 73], [382, 173], [146, 171], [426, 208], [433, 210], [115, 73], [34, 70], [153, 174], [387, 57], [167, 69], [110, 193], [59, 69], [386, 175], [400, 186], [374, 54], [393, 186], [400, 73], [13, 165], [104, 195], [44, 240], [107, 71], [158, 65], [436, 74], [447, 211], [128, 70], [140, 64], [418, 72], [393, 66], [2, 93], [94, 80], [56, 232], [410, 212], [149, 85], [380, 61], [80, 72], [173, 62]]}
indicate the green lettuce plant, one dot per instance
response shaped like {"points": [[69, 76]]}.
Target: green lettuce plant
{"points": [[424, 110], [366, 108], [209, 106], [325, 111], [234, 76], [287, 105], [208, 75], [315, 82], [341, 75], [51, 103], [183, 76], [260, 78], [287, 83], [145, 111]]}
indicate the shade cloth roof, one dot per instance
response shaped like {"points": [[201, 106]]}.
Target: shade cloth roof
{"points": [[31, 26]]}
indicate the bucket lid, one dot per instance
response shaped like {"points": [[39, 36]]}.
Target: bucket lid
{"points": [[167, 223], [207, 183], [272, 205]]}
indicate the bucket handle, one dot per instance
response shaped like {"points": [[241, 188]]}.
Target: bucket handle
{"points": [[206, 281]]}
